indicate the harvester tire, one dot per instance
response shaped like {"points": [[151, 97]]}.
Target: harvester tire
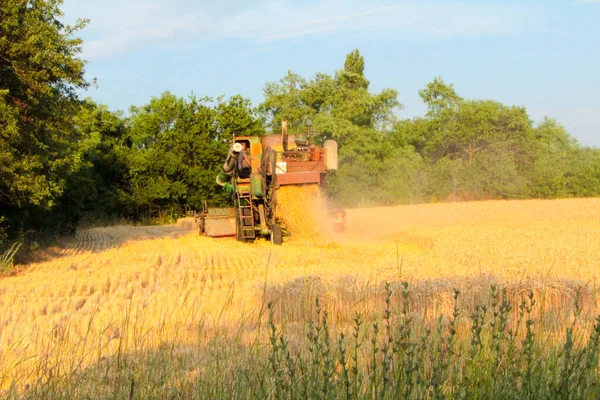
{"points": [[276, 234]]}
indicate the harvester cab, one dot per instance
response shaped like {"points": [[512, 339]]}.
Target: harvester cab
{"points": [[253, 171]]}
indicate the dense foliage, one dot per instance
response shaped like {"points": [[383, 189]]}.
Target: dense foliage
{"points": [[40, 147], [63, 158], [461, 149]]}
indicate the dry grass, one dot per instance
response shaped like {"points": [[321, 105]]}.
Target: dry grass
{"points": [[123, 289]]}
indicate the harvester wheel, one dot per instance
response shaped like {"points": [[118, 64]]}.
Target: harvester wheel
{"points": [[276, 234]]}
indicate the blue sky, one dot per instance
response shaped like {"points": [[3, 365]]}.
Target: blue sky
{"points": [[544, 55]]}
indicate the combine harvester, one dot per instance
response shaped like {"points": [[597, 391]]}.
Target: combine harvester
{"points": [[254, 170]]}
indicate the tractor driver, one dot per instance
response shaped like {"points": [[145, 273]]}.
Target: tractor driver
{"points": [[244, 165]]}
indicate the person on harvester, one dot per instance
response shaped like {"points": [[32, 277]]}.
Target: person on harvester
{"points": [[244, 166]]}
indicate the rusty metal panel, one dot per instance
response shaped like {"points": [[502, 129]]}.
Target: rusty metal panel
{"points": [[271, 141], [276, 142], [218, 227], [298, 178], [305, 166], [223, 212], [220, 222]]}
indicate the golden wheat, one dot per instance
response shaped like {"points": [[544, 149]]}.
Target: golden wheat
{"points": [[127, 288], [302, 210]]}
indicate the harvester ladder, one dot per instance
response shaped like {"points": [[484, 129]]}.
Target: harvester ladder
{"points": [[246, 215]]}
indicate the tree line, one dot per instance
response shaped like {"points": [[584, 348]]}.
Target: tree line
{"points": [[64, 157]]}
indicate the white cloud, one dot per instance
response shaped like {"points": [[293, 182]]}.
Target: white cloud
{"points": [[120, 26]]}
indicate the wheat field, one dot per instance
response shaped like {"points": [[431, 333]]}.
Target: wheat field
{"points": [[127, 289]]}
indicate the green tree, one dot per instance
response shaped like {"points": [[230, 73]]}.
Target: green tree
{"points": [[178, 147], [459, 128], [476, 125], [475, 148], [439, 96], [341, 107], [294, 99], [584, 178], [236, 116], [97, 187], [353, 74], [562, 167], [40, 74], [555, 153]]}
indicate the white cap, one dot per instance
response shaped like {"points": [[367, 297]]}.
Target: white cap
{"points": [[237, 147]]}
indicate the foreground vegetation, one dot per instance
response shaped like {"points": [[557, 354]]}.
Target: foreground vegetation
{"points": [[499, 349]]}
